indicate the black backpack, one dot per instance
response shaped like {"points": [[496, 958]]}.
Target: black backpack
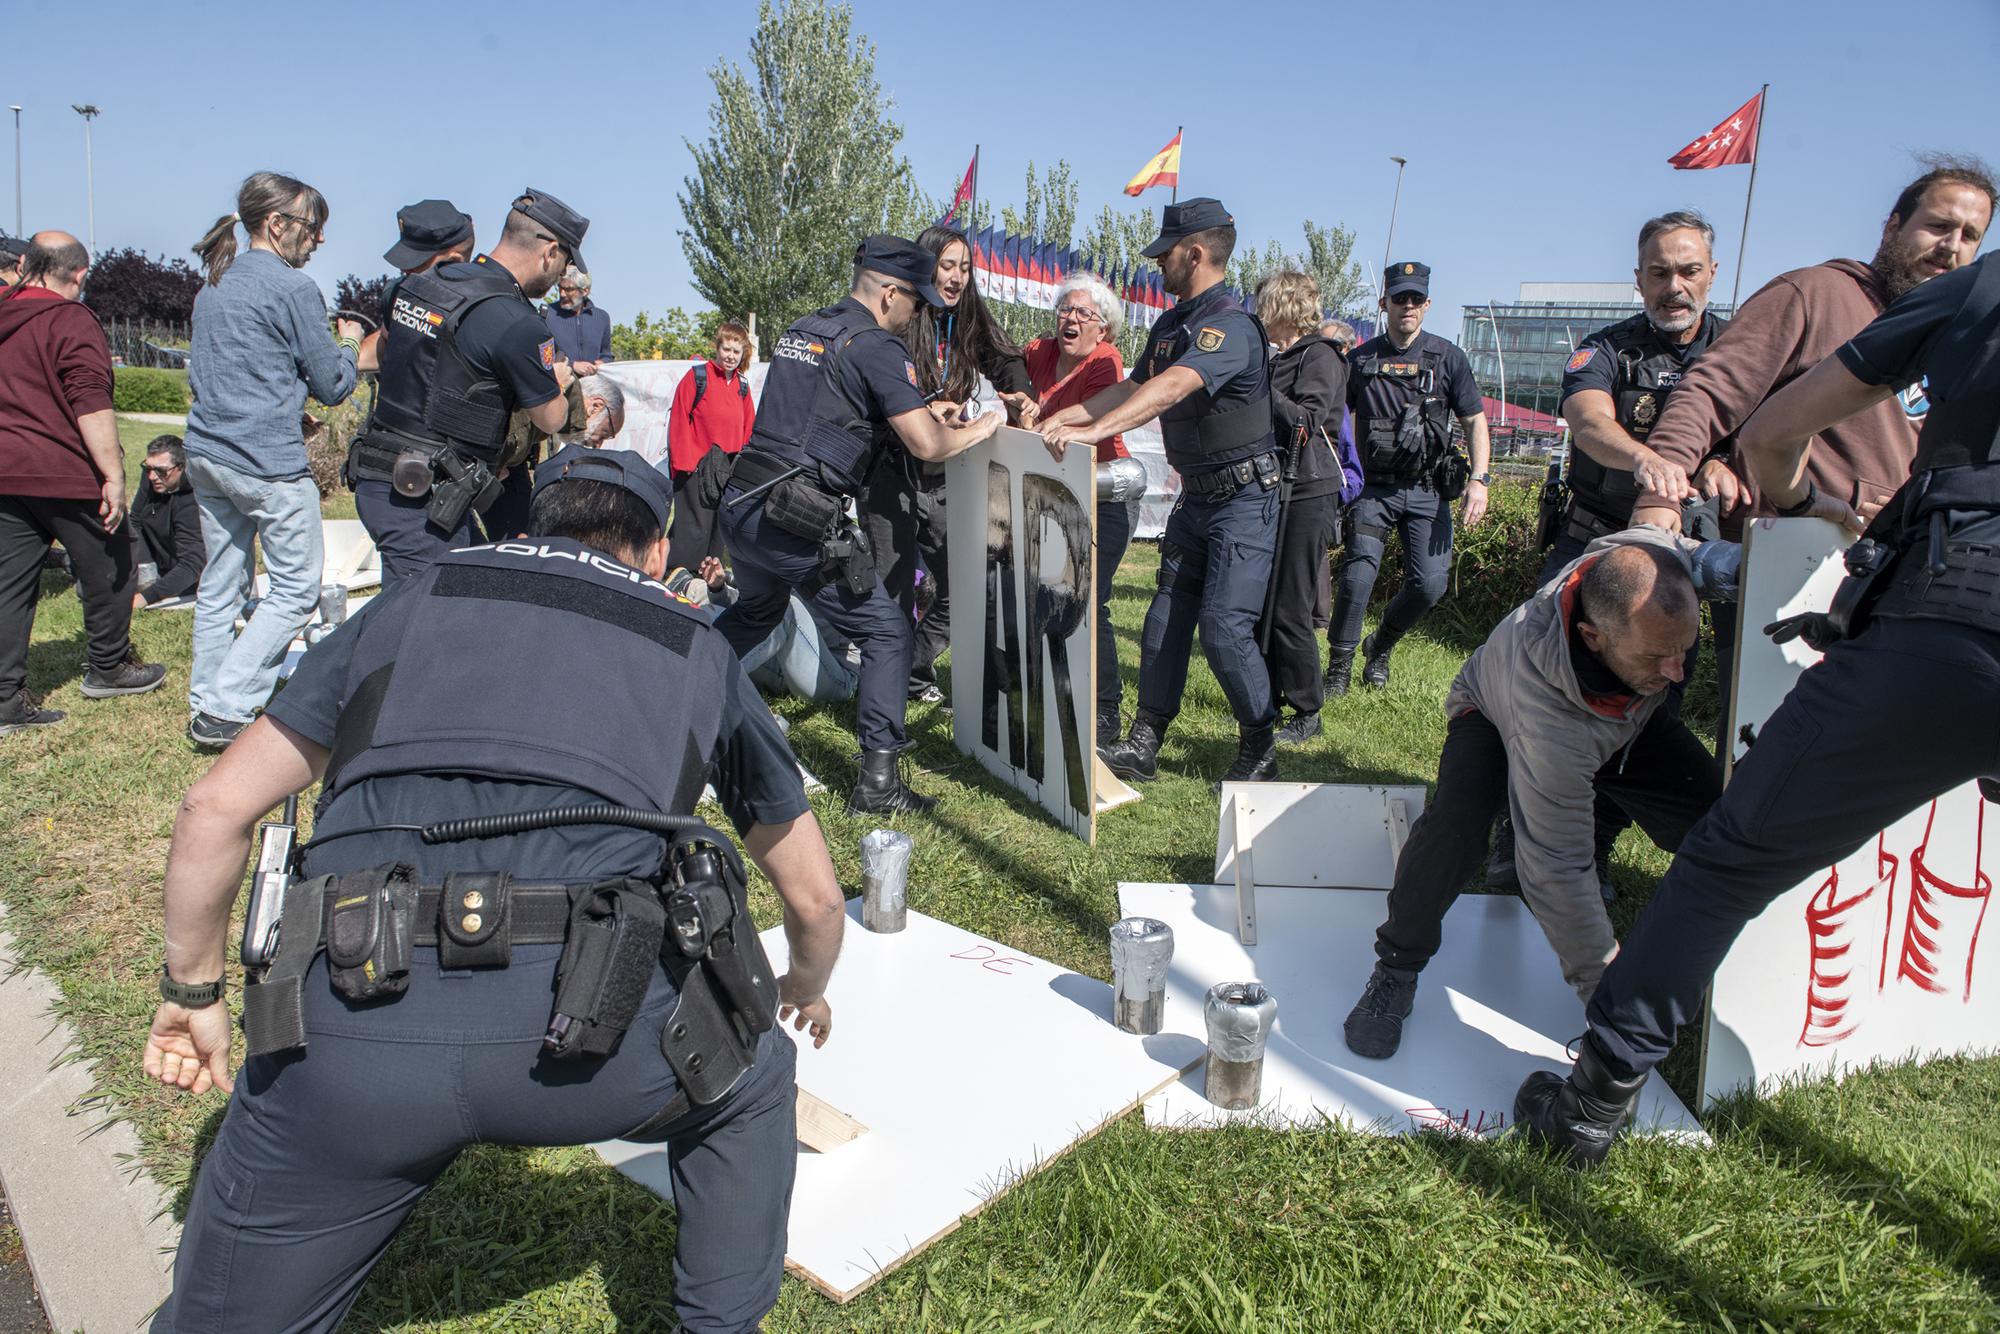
{"points": [[701, 384]]}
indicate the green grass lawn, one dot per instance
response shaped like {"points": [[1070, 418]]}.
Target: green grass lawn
{"points": [[1871, 1205]]}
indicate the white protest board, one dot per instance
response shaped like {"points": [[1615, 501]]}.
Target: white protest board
{"points": [[1877, 958], [1021, 542], [649, 388], [1491, 1008], [970, 1064], [1323, 834]]}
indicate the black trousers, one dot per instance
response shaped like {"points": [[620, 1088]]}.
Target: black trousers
{"points": [[1115, 521], [1422, 519], [1667, 780], [1291, 647], [1887, 722], [507, 516], [104, 580], [696, 533], [904, 512]]}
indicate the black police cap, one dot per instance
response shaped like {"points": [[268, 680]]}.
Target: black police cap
{"points": [[620, 467], [559, 219], [905, 261], [1409, 276], [1185, 219], [423, 229]]}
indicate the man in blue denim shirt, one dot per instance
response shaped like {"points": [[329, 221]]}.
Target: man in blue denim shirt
{"points": [[260, 345]]}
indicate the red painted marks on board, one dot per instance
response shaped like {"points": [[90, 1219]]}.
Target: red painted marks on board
{"points": [[992, 960]]}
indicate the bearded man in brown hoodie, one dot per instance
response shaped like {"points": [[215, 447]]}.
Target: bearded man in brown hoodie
{"points": [[1786, 328]]}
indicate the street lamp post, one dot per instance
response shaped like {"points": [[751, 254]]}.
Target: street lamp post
{"points": [[17, 166], [1494, 319], [1396, 203], [89, 112]]}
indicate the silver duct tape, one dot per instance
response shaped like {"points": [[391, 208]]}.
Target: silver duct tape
{"points": [[1141, 949], [1120, 480], [885, 879], [332, 603], [1240, 1015]]}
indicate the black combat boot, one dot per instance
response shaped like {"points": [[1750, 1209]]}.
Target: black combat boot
{"points": [[1136, 759], [1374, 1027], [1500, 872], [1107, 729], [1579, 1116], [1339, 672], [1376, 649], [880, 790], [1256, 757]]}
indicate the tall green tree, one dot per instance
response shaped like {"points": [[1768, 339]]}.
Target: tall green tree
{"points": [[799, 165], [1328, 257]]}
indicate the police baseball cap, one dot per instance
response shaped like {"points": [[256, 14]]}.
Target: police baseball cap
{"points": [[905, 261], [561, 221], [1184, 219], [620, 467], [1408, 276], [423, 229]]}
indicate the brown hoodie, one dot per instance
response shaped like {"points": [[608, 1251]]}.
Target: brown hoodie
{"points": [[54, 368], [1782, 332]]}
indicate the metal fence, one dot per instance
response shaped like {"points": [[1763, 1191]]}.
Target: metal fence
{"points": [[148, 343]]}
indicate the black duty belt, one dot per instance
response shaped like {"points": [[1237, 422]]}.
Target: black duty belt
{"points": [[1226, 481], [375, 462], [1586, 525], [1965, 590], [755, 468]]}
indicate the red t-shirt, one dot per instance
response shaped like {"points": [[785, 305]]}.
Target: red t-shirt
{"points": [[1100, 370], [723, 417]]}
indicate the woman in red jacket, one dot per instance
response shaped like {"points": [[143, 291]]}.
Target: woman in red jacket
{"points": [[1067, 368], [707, 427]]}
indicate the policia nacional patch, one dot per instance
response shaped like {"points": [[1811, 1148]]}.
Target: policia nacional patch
{"points": [[1209, 339]]}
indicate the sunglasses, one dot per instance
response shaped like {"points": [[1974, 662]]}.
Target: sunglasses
{"points": [[1408, 299], [152, 471]]}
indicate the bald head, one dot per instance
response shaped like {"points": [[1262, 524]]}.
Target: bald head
{"points": [[1639, 614], [57, 261]]}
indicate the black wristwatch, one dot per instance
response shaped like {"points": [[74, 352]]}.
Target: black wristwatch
{"points": [[190, 997]]}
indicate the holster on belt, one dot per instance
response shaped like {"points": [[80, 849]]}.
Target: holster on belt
{"points": [[368, 930], [615, 932]]}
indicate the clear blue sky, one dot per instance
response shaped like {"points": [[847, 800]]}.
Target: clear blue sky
{"points": [[1536, 134]]}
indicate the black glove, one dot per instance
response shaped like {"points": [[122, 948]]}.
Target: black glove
{"points": [[1815, 627]]}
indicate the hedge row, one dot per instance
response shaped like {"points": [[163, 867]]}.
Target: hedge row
{"points": [[136, 389]]}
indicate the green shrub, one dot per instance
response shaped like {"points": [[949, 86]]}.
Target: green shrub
{"points": [[139, 390], [1493, 566]]}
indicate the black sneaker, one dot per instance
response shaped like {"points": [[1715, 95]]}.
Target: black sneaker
{"points": [[1376, 649], [25, 711], [1374, 1026], [130, 677], [1302, 728], [1501, 873], [211, 733], [926, 694]]}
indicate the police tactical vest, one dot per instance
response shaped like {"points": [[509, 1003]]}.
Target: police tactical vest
{"points": [[1405, 444], [426, 694], [1966, 428], [1645, 369], [427, 388], [1203, 432], [804, 417]]}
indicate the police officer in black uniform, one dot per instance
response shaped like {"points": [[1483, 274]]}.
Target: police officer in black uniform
{"points": [[1912, 650], [1205, 374], [465, 350], [1616, 384], [433, 992], [835, 376], [1404, 386], [1614, 388]]}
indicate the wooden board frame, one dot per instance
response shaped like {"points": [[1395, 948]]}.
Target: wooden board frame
{"points": [[1021, 543]]}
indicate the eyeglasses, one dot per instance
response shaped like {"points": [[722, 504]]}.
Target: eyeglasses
{"points": [[1081, 314], [317, 230], [1408, 299]]}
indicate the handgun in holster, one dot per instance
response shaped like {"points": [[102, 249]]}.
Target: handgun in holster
{"points": [[464, 484], [849, 558], [277, 865], [1550, 506], [729, 995]]}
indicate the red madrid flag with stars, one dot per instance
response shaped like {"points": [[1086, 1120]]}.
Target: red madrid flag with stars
{"points": [[1729, 144]]}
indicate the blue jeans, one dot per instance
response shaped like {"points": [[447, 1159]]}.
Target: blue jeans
{"points": [[232, 678]]}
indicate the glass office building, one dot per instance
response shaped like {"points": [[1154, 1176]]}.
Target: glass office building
{"points": [[1536, 334]]}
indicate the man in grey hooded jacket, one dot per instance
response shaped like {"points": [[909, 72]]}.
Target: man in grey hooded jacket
{"points": [[1565, 694]]}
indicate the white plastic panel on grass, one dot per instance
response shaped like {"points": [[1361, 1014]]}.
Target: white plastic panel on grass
{"points": [[971, 1064], [1315, 834], [1491, 1008]]}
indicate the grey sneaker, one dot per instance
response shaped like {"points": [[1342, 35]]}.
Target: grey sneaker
{"points": [[211, 733], [25, 711], [130, 677], [1374, 1026]]}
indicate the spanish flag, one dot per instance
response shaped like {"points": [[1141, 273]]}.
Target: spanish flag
{"points": [[1164, 169]]}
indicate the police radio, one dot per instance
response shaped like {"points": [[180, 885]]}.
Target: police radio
{"points": [[277, 851]]}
